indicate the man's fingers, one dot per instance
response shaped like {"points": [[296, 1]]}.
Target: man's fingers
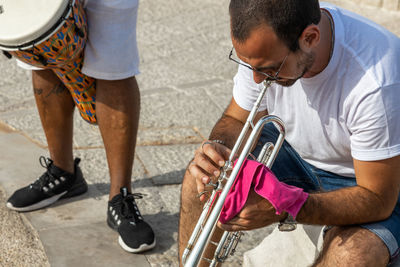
{"points": [[212, 151], [204, 163], [199, 174], [226, 152], [206, 143]]}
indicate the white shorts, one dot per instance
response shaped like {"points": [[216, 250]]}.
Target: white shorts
{"points": [[111, 51]]}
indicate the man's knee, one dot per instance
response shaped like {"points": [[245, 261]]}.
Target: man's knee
{"points": [[118, 103], [352, 246]]}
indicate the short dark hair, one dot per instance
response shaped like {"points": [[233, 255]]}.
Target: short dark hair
{"points": [[288, 18]]}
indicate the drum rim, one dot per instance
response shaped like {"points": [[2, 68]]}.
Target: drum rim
{"points": [[60, 22]]}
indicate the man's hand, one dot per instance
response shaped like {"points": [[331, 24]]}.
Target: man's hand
{"points": [[256, 213], [208, 160]]}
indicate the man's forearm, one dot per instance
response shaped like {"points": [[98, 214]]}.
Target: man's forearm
{"points": [[227, 129], [352, 205]]}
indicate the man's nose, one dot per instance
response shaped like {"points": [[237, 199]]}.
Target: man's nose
{"points": [[258, 77]]}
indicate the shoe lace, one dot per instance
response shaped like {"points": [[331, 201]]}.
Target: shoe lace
{"points": [[129, 209], [46, 177]]}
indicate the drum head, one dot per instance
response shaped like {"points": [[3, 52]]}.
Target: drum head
{"points": [[23, 21]]}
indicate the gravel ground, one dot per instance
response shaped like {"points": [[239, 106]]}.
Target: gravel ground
{"points": [[19, 243]]}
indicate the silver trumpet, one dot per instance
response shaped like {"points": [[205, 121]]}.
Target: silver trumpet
{"points": [[204, 229]]}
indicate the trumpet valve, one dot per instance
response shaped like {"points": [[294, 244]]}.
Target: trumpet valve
{"points": [[228, 166], [223, 176], [214, 185]]}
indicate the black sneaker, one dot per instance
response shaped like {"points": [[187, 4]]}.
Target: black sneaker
{"points": [[53, 185], [123, 216]]}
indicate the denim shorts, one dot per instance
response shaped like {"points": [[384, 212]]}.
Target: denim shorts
{"points": [[291, 169]]}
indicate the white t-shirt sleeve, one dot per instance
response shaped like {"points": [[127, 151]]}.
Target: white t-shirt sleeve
{"points": [[245, 90], [375, 125]]}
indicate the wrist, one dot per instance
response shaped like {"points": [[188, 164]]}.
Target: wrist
{"points": [[287, 224], [218, 141]]}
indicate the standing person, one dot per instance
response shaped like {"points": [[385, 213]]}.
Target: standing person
{"points": [[111, 57], [336, 86]]}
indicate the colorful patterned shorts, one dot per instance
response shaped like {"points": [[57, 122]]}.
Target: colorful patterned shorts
{"points": [[63, 53]]}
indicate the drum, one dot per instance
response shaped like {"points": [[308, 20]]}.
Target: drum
{"points": [[51, 34]]}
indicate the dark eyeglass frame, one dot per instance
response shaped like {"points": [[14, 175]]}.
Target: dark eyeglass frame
{"points": [[269, 77]]}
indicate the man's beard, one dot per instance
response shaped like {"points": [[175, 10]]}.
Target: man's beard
{"points": [[304, 64]]}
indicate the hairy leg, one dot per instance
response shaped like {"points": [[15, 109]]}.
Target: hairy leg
{"points": [[352, 246], [191, 208], [117, 111], [56, 108]]}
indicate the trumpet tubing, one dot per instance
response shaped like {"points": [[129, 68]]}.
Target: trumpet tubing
{"points": [[208, 219]]}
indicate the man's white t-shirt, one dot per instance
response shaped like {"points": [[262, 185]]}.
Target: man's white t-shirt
{"points": [[349, 110]]}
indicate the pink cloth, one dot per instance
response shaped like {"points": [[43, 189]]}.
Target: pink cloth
{"points": [[255, 175]]}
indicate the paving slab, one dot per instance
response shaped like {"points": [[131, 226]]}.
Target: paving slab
{"points": [[166, 164], [179, 108], [61, 245]]}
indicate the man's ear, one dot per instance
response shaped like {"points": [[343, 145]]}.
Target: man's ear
{"points": [[309, 38]]}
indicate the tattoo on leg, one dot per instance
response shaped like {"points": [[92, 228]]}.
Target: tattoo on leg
{"points": [[37, 91], [58, 89]]}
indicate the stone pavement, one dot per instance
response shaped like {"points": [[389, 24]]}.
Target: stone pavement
{"points": [[186, 83]]}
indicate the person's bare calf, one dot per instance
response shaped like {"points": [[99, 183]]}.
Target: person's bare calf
{"points": [[117, 111], [56, 108]]}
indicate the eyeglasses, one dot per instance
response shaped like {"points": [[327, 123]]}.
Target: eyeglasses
{"points": [[269, 76]]}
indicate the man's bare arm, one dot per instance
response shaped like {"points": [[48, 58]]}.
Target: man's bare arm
{"points": [[373, 199], [227, 129], [231, 123], [208, 159]]}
